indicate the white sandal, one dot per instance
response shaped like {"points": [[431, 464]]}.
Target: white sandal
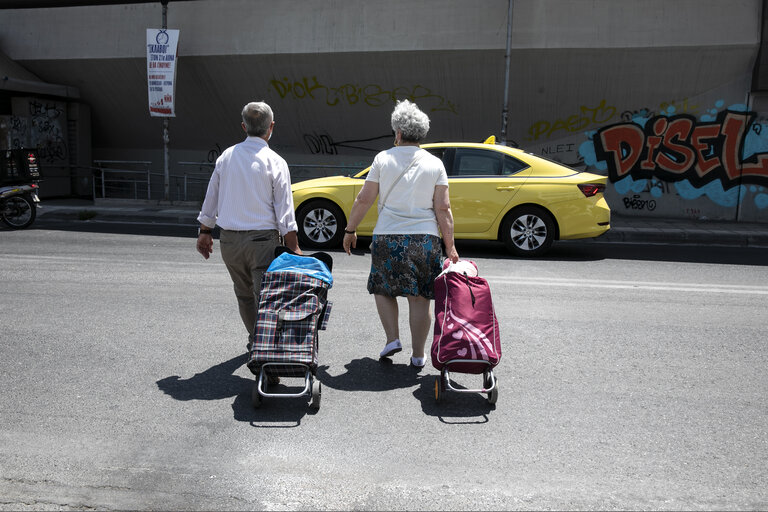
{"points": [[419, 362], [392, 347]]}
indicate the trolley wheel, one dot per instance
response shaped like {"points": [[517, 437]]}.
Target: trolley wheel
{"points": [[439, 388], [493, 394], [256, 396], [317, 393]]}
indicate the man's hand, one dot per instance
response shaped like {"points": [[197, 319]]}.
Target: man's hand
{"points": [[291, 241], [205, 244]]}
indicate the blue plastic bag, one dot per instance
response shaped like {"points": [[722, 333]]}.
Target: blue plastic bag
{"points": [[287, 262]]}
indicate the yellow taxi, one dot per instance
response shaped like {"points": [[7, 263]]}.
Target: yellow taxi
{"points": [[497, 193]]}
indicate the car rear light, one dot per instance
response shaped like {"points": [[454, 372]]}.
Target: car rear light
{"points": [[591, 189]]}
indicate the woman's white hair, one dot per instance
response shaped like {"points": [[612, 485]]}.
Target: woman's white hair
{"points": [[411, 122]]}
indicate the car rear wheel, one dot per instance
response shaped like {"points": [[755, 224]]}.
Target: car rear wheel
{"points": [[321, 224], [528, 231]]}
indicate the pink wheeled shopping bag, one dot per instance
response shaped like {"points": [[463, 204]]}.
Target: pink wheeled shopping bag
{"points": [[466, 335]]}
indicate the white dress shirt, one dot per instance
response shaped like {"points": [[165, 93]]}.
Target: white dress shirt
{"points": [[250, 189]]}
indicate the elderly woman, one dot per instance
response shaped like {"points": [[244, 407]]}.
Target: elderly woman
{"points": [[412, 187]]}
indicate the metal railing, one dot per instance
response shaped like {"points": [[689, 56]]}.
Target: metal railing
{"points": [[134, 179], [120, 179]]}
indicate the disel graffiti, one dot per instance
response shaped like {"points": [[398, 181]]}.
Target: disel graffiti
{"points": [[679, 148]]}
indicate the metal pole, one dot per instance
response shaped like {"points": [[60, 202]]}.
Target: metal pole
{"points": [[166, 137], [507, 57]]}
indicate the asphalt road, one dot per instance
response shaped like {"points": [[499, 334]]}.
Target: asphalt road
{"points": [[633, 377]]}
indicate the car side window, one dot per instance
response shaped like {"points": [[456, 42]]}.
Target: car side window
{"points": [[477, 162], [438, 152], [513, 165]]}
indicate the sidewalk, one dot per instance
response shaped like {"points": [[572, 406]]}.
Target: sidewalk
{"points": [[623, 229]]}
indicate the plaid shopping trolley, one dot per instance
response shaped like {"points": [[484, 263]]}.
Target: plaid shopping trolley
{"points": [[293, 307]]}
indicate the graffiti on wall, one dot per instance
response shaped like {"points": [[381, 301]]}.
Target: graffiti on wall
{"points": [[47, 133], [679, 147], [590, 117], [18, 130], [587, 117], [722, 155], [323, 144], [40, 124], [372, 95]]}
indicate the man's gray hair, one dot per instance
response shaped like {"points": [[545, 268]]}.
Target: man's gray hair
{"points": [[411, 122], [257, 117]]}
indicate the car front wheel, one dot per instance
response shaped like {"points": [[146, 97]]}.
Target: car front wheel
{"points": [[528, 231], [321, 224]]}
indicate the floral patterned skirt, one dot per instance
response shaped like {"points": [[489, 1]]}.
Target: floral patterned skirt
{"points": [[404, 265]]}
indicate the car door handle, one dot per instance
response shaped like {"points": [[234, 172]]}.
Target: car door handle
{"points": [[506, 187]]}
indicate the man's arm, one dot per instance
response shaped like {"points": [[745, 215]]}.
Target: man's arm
{"points": [[282, 201], [208, 214]]}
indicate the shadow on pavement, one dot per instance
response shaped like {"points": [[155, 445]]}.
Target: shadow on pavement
{"points": [[215, 383], [680, 253], [369, 374], [219, 382], [453, 408], [121, 228]]}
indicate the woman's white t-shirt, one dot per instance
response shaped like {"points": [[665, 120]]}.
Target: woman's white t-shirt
{"points": [[409, 208]]}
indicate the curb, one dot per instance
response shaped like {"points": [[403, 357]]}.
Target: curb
{"points": [[649, 231], [685, 236]]}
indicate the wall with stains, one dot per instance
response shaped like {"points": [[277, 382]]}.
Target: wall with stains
{"points": [[580, 70]]}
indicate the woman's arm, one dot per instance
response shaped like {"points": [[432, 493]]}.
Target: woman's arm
{"points": [[442, 205], [363, 203]]}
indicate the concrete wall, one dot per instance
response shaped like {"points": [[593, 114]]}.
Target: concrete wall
{"points": [[332, 70]]}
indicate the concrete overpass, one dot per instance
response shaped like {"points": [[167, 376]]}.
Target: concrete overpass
{"points": [[332, 70]]}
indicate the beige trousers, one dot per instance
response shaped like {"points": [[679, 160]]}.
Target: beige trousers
{"points": [[247, 254]]}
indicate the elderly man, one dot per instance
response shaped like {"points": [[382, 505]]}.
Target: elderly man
{"points": [[249, 197]]}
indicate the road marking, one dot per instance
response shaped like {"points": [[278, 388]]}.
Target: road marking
{"points": [[630, 285], [498, 280], [494, 280], [27, 258]]}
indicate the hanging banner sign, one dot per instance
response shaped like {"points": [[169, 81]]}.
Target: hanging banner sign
{"points": [[161, 71]]}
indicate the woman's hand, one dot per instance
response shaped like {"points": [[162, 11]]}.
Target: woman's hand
{"points": [[349, 242], [452, 253]]}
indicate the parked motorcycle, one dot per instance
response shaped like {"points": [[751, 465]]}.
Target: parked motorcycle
{"points": [[19, 175], [18, 205]]}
